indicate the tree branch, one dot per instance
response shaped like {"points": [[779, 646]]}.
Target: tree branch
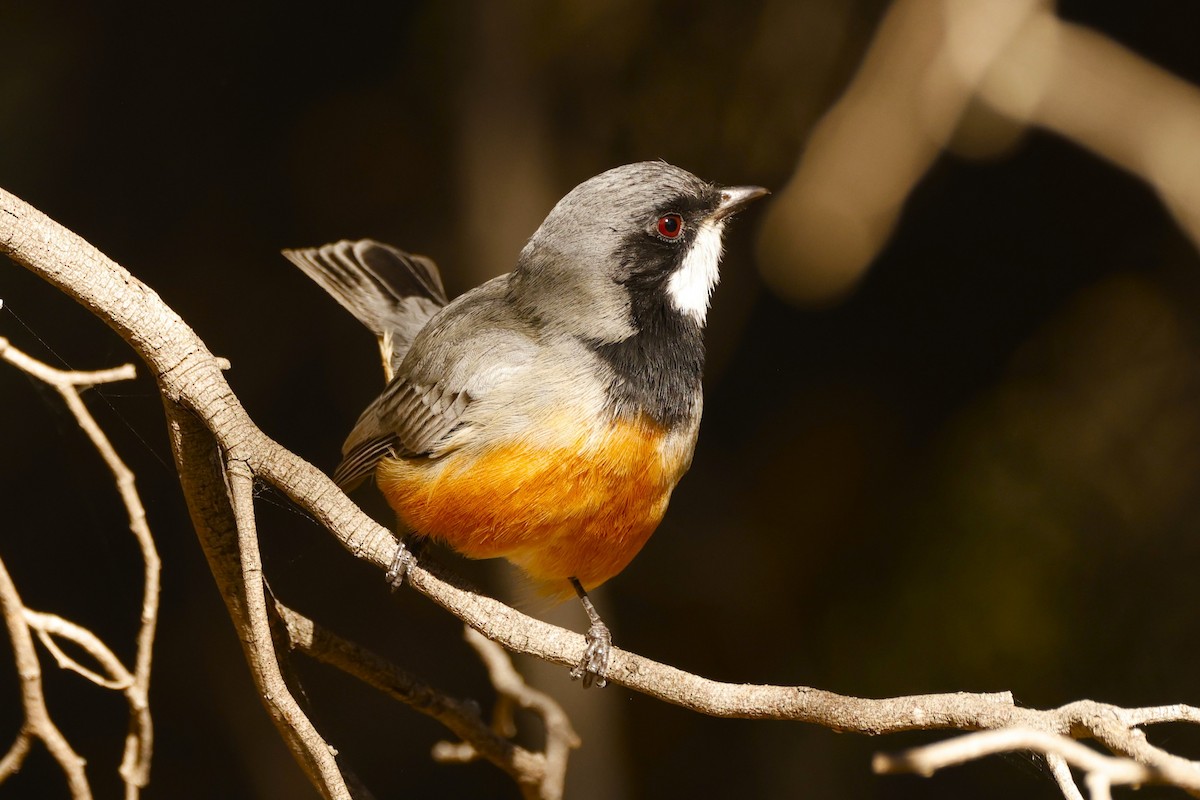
{"points": [[1061, 771], [560, 735], [139, 741], [210, 430], [33, 700], [925, 67], [1102, 772], [527, 768], [50, 625], [301, 736]]}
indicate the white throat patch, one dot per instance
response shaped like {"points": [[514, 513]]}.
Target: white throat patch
{"points": [[691, 285]]}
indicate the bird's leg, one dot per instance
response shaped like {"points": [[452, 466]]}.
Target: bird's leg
{"points": [[594, 665], [407, 553]]}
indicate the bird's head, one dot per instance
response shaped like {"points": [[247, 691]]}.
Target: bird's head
{"points": [[644, 235]]}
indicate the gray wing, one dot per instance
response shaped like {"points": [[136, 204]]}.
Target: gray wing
{"points": [[392, 292], [466, 352]]}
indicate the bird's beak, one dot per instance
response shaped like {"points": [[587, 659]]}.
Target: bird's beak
{"points": [[735, 198]]}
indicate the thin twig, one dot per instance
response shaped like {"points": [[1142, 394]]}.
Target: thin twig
{"points": [[60, 378], [139, 741], [560, 735], [1101, 770], [49, 626], [1061, 771], [15, 757], [33, 700], [460, 716]]}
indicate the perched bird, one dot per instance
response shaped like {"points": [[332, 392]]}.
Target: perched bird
{"points": [[546, 415]]}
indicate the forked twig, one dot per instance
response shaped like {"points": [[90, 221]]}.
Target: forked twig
{"points": [[135, 683]]}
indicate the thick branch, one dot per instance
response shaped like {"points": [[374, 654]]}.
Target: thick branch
{"points": [[302, 736], [211, 505], [204, 416]]}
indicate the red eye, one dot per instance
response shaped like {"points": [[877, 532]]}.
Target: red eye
{"points": [[670, 226]]}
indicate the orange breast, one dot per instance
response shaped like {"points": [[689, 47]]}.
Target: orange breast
{"points": [[583, 510]]}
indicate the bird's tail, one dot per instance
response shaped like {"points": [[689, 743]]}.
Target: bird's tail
{"points": [[391, 292]]}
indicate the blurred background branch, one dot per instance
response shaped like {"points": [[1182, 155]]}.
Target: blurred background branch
{"points": [[933, 71]]}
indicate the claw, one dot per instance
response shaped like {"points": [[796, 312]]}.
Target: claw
{"points": [[405, 559], [593, 667]]}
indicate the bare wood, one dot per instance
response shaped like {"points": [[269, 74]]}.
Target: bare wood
{"points": [[15, 756], [302, 737], [1061, 771], [560, 735], [139, 741], [49, 626], [33, 700], [206, 419], [201, 474], [461, 717], [1102, 771]]}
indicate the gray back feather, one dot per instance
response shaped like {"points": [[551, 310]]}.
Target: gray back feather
{"points": [[462, 355], [484, 365]]}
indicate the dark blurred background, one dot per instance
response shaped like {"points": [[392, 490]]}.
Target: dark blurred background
{"points": [[977, 469]]}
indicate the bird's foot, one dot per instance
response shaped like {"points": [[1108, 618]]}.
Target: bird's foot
{"points": [[407, 551], [593, 668]]}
